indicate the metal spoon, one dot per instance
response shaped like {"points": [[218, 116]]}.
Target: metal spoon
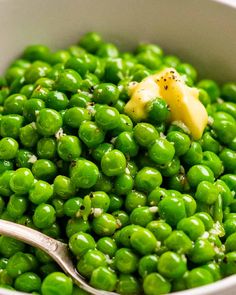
{"points": [[57, 250]]}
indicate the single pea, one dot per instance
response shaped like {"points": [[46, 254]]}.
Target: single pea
{"points": [[149, 59], [103, 183], [123, 184], [199, 173], [228, 264], [90, 81], [225, 192], [5, 178], [84, 174], [224, 125], [104, 225], [160, 229], [211, 160], [14, 73], [45, 82], [48, 122], [171, 61], [141, 235], [103, 278], [115, 70], [107, 117], [59, 56], [181, 142], [10, 125], [126, 144], [229, 226], [139, 75], [211, 88], [228, 107], [188, 70], [190, 204], [10, 246], [62, 187], [230, 180], [192, 226], [202, 252], [119, 105], [170, 261], [2, 205], [229, 91], [57, 283], [156, 195], [128, 284], [16, 206], [76, 225], [91, 134], [161, 151], [44, 216], [40, 192], [194, 155], [8, 148], [228, 157], [206, 192], [21, 181], [145, 134], [147, 265], [106, 93], [107, 50], [179, 242], [72, 206], [206, 219], [80, 243], [46, 148], [158, 111], [214, 269], [38, 69], [147, 179], [36, 52], [100, 199], [107, 246], [79, 100], [172, 210], [5, 165], [155, 284], [204, 97], [28, 135], [90, 41], [142, 216], [68, 80], [75, 116], [198, 277], [126, 233], [14, 104], [77, 64], [28, 282], [31, 107], [113, 163], [91, 260], [69, 148], [57, 100], [232, 145], [209, 143], [230, 243], [44, 169], [135, 199], [125, 124], [126, 261], [122, 218]]}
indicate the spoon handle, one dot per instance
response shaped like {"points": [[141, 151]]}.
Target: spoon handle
{"points": [[56, 249]]}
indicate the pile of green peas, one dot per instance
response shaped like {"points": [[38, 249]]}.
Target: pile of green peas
{"points": [[144, 208]]}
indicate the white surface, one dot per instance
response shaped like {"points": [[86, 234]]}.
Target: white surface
{"points": [[200, 31]]}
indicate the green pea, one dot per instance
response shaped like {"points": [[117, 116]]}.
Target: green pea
{"points": [[108, 50], [115, 70], [20, 263], [198, 277], [103, 278], [204, 97], [107, 117], [104, 225], [40, 93], [57, 283], [156, 195], [36, 52], [224, 125], [149, 59], [84, 174], [158, 111], [91, 260], [160, 229], [14, 73], [103, 183], [123, 184], [90, 41], [27, 90], [126, 261], [68, 80], [188, 70], [28, 135], [5, 178], [209, 143], [202, 252], [46, 148], [135, 199], [229, 91], [230, 180], [28, 282], [80, 243], [126, 144], [31, 107], [44, 170], [228, 157], [192, 226], [139, 236], [181, 142], [5, 165], [16, 206], [72, 206], [171, 61], [69, 148], [62, 187], [113, 163], [171, 168], [128, 284], [199, 173], [172, 210], [57, 100], [8, 148], [21, 181], [60, 56], [76, 225], [10, 125], [228, 264], [155, 284], [206, 192], [179, 242], [206, 219], [161, 151], [145, 134], [226, 194], [45, 82], [75, 116], [48, 122], [37, 70], [44, 216], [125, 124], [211, 88], [107, 246], [211, 160], [100, 150], [147, 179], [100, 199], [194, 155], [122, 218], [141, 216], [91, 134], [230, 243]]}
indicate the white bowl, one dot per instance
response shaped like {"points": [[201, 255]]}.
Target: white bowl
{"points": [[199, 31]]}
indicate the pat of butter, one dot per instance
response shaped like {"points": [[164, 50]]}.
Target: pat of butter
{"points": [[181, 99]]}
